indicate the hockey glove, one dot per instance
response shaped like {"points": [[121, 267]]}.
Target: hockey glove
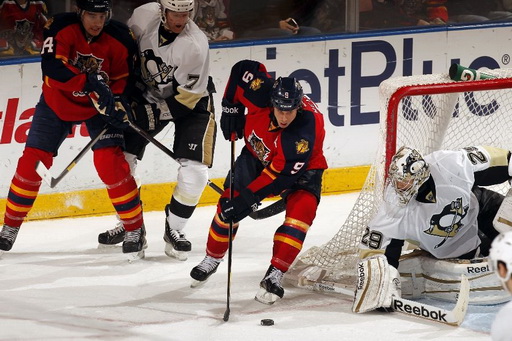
{"points": [[105, 98], [238, 208], [232, 120], [118, 118], [146, 116]]}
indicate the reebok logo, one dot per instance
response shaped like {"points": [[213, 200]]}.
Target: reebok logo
{"points": [[419, 311], [478, 269], [230, 110], [360, 276]]}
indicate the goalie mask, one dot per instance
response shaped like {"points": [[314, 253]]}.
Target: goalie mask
{"points": [[407, 172], [501, 251]]}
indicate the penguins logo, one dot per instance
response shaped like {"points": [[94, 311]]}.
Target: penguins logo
{"points": [[447, 223], [154, 71]]}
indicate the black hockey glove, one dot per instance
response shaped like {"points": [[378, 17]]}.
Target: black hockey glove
{"points": [[146, 116], [96, 83], [232, 120], [238, 208], [118, 118]]}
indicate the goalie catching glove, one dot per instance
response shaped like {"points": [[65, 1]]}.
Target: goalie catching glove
{"points": [[148, 116], [232, 120], [377, 284]]}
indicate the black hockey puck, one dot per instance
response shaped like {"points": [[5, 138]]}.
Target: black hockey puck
{"points": [[267, 322]]}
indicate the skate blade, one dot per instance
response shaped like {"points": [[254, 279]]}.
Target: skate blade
{"points": [[135, 256], [108, 246], [197, 284], [265, 297], [171, 252]]}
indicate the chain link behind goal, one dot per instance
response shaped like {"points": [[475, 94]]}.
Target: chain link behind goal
{"points": [[428, 112]]}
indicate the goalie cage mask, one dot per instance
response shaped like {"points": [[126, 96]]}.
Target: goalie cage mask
{"points": [[407, 172], [501, 251]]}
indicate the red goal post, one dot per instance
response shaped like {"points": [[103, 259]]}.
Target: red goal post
{"points": [[427, 112]]}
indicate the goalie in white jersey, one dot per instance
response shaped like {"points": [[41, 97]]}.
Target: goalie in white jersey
{"points": [[174, 85], [436, 203]]}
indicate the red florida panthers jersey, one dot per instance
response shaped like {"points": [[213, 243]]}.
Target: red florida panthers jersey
{"points": [[285, 153], [67, 56], [22, 26]]}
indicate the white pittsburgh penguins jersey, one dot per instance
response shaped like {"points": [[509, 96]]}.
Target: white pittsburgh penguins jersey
{"points": [[447, 227], [178, 69]]}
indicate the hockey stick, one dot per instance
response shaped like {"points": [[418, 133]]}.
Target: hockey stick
{"points": [[45, 174], [452, 317], [230, 231], [266, 212]]}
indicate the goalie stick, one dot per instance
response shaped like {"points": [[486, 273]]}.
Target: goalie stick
{"points": [[269, 211], [45, 174], [452, 317]]}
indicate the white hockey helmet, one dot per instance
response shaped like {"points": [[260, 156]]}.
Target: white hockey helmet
{"points": [[501, 251], [177, 5], [407, 172]]}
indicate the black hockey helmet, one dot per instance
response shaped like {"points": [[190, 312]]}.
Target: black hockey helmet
{"points": [[94, 5], [98, 6], [286, 94]]}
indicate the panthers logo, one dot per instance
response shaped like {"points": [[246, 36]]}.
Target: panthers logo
{"points": [[259, 147], [447, 223], [90, 64], [154, 71], [256, 84], [302, 146]]}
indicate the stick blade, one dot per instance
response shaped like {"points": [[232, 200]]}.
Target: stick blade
{"points": [[226, 315], [44, 173], [461, 308]]}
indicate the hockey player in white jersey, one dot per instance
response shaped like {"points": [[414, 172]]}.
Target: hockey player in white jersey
{"points": [[501, 262], [174, 85], [437, 203]]}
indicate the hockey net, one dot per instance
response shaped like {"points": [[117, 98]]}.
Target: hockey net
{"points": [[428, 112]]}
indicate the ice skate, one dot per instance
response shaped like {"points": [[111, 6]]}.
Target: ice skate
{"points": [[204, 270], [7, 237], [135, 243], [112, 237], [176, 245], [270, 287]]}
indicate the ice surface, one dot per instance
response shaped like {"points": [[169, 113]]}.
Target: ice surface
{"points": [[57, 285]]}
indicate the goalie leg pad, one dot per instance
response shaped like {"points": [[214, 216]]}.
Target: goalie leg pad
{"points": [[377, 283]]}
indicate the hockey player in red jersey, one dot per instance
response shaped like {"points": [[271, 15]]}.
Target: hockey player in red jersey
{"points": [[21, 26], [284, 133], [83, 52]]}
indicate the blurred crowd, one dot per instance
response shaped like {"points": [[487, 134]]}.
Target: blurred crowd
{"points": [[22, 21]]}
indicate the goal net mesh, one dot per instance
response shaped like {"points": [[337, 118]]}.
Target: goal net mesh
{"points": [[428, 112]]}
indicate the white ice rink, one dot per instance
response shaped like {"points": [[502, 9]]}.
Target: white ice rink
{"points": [[57, 285]]}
